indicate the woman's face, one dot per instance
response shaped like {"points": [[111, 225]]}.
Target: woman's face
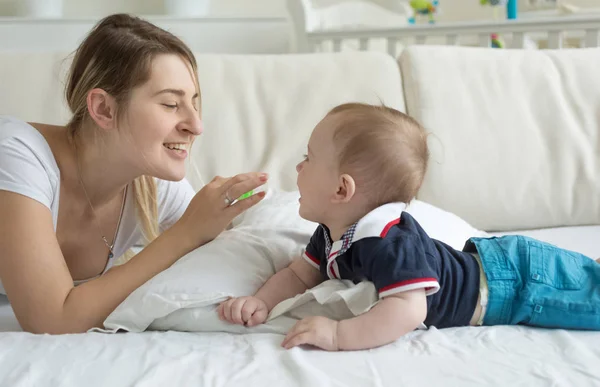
{"points": [[162, 119]]}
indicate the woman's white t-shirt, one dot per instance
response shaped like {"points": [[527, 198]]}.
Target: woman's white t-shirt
{"points": [[28, 167]]}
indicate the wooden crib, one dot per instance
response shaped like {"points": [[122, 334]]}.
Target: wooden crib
{"points": [[575, 31]]}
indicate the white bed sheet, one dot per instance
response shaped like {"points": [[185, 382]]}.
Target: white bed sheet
{"points": [[496, 356], [490, 356]]}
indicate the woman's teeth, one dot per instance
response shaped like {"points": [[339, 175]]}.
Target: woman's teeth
{"points": [[176, 146]]}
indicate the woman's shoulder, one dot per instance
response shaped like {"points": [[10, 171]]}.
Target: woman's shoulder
{"points": [[24, 138], [27, 164], [12, 126]]}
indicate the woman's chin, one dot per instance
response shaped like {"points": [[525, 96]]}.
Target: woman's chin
{"points": [[171, 175]]}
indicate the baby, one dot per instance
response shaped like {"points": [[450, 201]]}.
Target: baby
{"points": [[364, 163]]}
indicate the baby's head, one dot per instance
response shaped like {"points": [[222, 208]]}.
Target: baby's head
{"points": [[360, 157]]}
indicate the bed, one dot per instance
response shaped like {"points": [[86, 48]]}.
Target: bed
{"points": [[251, 111], [467, 356], [471, 356]]}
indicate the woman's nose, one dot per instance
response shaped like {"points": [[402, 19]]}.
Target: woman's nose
{"points": [[195, 126]]}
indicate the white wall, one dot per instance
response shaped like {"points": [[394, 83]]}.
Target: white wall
{"points": [[453, 10], [239, 26], [96, 8]]}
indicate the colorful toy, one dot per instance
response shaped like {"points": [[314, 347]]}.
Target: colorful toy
{"points": [[246, 195], [497, 41], [425, 8], [512, 9], [496, 5]]}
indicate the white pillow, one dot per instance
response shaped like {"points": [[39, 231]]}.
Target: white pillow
{"points": [[264, 240], [443, 225]]}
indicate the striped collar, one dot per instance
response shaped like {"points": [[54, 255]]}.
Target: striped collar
{"points": [[376, 223]]}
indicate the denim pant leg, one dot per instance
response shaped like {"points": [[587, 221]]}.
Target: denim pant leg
{"points": [[535, 283]]}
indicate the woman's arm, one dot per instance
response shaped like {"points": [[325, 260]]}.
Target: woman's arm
{"points": [[37, 280]]}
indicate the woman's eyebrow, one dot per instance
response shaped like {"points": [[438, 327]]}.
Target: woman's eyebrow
{"points": [[178, 92]]}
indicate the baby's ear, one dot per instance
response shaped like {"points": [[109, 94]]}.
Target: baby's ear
{"points": [[346, 189]]}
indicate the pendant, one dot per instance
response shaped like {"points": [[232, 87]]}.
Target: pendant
{"points": [[110, 255]]}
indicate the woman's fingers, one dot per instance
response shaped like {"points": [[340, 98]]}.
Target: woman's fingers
{"points": [[211, 209], [240, 184], [245, 204]]}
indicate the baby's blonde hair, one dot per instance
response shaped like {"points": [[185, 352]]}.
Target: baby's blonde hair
{"points": [[383, 149]]}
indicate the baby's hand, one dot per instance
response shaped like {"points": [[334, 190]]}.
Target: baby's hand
{"points": [[318, 331], [249, 311]]}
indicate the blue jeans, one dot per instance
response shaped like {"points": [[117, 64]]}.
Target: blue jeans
{"points": [[535, 283]]}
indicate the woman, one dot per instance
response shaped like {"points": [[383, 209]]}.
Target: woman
{"points": [[75, 197]]}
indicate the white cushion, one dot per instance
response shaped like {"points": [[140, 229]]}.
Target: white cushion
{"points": [[515, 133], [583, 239], [259, 111], [263, 241]]}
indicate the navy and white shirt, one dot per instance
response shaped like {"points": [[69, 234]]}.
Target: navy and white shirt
{"points": [[389, 248]]}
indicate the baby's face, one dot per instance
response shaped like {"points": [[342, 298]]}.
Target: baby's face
{"points": [[318, 173]]}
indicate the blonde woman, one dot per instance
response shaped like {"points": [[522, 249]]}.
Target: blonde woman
{"points": [[74, 198]]}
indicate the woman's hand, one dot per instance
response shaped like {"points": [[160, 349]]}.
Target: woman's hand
{"points": [[211, 210]]}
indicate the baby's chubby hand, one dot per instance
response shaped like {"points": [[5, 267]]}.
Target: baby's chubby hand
{"points": [[249, 311], [316, 330]]}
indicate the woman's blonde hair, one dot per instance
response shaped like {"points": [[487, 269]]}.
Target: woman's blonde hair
{"points": [[117, 57], [383, 149]]}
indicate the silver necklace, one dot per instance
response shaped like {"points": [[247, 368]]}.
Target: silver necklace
{"points": [[104, 239]]}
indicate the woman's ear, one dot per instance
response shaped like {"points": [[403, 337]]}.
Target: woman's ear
{"points": [[346, 189], [102, 108]]}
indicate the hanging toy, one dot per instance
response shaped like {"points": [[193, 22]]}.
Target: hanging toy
{"points": [[424, 8], [496, 5], [497, 41]]}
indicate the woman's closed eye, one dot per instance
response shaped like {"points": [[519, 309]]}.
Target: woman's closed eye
{"points": [[170, 106], [305, 157]]}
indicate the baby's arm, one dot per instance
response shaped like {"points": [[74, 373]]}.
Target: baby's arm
{"points": [[402, 274], [294, 279], [390, 319], [288, 282]]}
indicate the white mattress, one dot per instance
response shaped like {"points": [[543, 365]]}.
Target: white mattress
{"points": [[490, 356], [583, 239]]}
